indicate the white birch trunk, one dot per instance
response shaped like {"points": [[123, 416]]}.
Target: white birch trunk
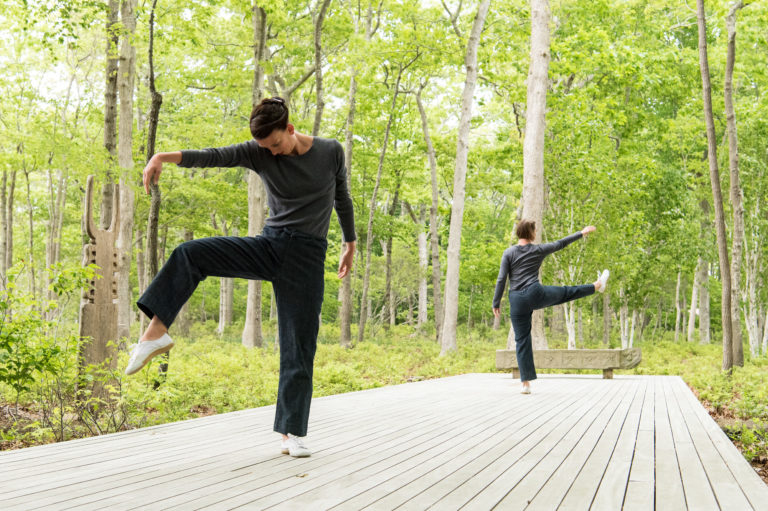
{"points": [[623, 320], [736, 195], [533, 143], [570, 324], [423, 270], [694, 300], [678, 311], [632, 329], [126, 79], [252, 335], [448, 341], [704, 309], [765, 334]]}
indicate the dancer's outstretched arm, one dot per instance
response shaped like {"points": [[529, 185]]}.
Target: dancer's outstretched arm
{"points": [[548, 248]]}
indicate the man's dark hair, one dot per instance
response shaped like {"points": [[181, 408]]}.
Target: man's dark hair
{"points": [[526, 229], [269, 115]]}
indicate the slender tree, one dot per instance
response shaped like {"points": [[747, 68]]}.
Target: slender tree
{"points": [[533, 143], [736, 194], [717, 195], [252, 335], [434, 239], [448, 335]]}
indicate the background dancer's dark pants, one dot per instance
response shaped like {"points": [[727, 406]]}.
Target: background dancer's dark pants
{"points": [[521, 306], [295, 264]]}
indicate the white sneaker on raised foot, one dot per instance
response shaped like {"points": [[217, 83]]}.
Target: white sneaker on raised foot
{"points": [[295, 447], [144, 351], [603, 279], [526, 390]]}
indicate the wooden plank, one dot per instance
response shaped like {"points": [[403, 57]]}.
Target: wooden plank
{"points": [[514, 457], [353, 492], [587, 464], [99, 474], [401, 488], [669, 487], [641, 488], [698, 491], [266, 451], [273, 489], [608, 491], [228, 477], [752, 487], [545, 460]]}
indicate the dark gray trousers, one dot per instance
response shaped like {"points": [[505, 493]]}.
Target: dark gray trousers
{"points": [[295, 264], [521, 306]]}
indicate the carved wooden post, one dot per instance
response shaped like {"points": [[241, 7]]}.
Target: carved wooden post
{"points": [[98, 309]]}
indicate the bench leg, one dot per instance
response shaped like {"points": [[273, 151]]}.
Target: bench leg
{"points": [[515, 373], [607, 374]]}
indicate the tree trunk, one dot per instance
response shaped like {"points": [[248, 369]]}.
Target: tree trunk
{"points": [[704, 309], [678, 312], [31, 255], [714, 178], [448, 341], [623, 319], [389, 291], [433, 234], [737, 199], [4, 228], [570, 323], [56, 202], [580, 327], [753, 268], [372, 210], [533, 143], [694, 299], [110, 107], [319, 67], [252, 335], [765, 334], [423, 268], [226, 288], [606, 319], [153, 217], [8, 225], [345, 338], [126, 78], [632, 329], [183, 320]]}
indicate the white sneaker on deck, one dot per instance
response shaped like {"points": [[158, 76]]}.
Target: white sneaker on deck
{"points": [[526, 390], [602, 280], [295, 447], [144, 351]]}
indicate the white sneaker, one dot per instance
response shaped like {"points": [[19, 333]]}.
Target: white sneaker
{"points": [[603, 279], [144, 351], [295, 447], [526, 390]]}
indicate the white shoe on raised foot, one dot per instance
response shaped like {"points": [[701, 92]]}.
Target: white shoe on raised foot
{"points": [[295, 447], [602, 280], [144, 351], [526, 390]]}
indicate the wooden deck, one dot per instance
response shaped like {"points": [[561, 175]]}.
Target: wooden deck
{"points": [[469, 442]]}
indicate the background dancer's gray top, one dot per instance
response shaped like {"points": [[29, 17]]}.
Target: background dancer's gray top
{"points": [[301, 189], [522, 262]]}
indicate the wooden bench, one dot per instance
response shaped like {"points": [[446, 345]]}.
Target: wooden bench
{"points": [[607, 360]]}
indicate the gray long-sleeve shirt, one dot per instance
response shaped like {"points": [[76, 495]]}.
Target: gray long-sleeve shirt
{"points": [[301, 189], [521, 264]]}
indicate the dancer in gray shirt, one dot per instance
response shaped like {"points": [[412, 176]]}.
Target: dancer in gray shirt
{"points": [[305, 179], [520, 264]]}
